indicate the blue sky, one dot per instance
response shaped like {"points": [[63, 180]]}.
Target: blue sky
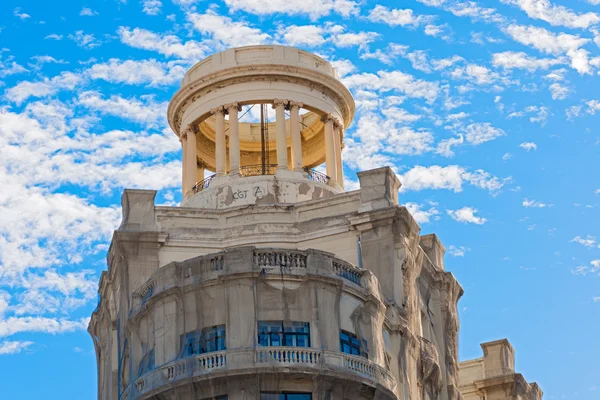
{"points": [[487, 111]]}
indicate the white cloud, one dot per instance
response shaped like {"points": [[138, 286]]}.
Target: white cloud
{"points": [[397, 17], [443, 31], [169, 45], [585, 269], [466, 215], [588, 241], [85, 40], [557, 75], [452, 177], [54, 36], [555, 15], [572, 112], [469, 9], [396, 81], [47, 87], [225, 31], [420, 213], [151, 7], [479, 133], [476, 74], [444, 147], [534, 203], [13, 325], [459, 251], [558, 91], [21, 15], [14, 347], [520, 60], [145, 110], [552, 43], [350, 39], [137, 72], [593, 106], [528, 146], [506, 156], [307, 35], [8, 68], [312, 8], [87, 12]]}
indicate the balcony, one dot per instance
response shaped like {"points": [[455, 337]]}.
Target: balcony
{"points": [[261, 360], [287, 262]]}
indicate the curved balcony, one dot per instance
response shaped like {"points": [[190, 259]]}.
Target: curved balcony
{"points": [[291, 360], [266, 262], [257, 170]]}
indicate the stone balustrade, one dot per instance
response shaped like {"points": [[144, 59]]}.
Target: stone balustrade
{"points": [[347, 271], [287, 355], [263, 261], [279, 258], [197, 367]]}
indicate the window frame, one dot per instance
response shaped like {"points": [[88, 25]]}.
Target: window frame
{"points": [[357, 347], [199, 340], [284, 395], [285, 335]]}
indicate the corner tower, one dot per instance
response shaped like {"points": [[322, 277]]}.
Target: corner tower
{"points": [[312, 110], [270, 282]]}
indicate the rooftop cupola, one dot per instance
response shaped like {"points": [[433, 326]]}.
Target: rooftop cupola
{"points": [[261, 118]]}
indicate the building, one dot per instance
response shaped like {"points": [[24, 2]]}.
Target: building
{"points": [[493, 376], [270, 281]]}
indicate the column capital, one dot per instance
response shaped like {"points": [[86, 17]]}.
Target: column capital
{"points": [[218, 110], [234, 105], [336, 124], [280, 102], [296, 104], [200, 163], [188, 130]]}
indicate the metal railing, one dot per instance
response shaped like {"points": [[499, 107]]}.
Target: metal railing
{"points": [[203, 184], [317, 176], [259, 169]]}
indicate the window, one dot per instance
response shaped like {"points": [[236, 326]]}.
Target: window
{"points": [[285, 396], [276, 333], [350, 344], [204, 341], [146, 363]]}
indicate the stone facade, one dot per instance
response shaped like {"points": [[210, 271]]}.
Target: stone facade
{"points": [[275, 283], [493, 376]]}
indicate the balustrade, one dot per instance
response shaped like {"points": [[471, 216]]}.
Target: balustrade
{"points": [[217, 263], [210, 361], [347, 271], [287, 355], [282, 259], [172, 371], [261, 357], [147, 292]]}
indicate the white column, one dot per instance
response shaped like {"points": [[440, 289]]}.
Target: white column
{"points": [[234, 138], [199, 172], [190, 160], [281, 145], [295, 134], [329, 149], [183, 140], [337, 138], [220, 146]]}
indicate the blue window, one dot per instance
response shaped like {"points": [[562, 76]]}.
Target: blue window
{"points": [[285, 396], [350, 344], [204, 341], [276, 333], [146, 363]]}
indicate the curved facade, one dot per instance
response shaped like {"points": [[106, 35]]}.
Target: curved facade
{"points": [[276, 285]]}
